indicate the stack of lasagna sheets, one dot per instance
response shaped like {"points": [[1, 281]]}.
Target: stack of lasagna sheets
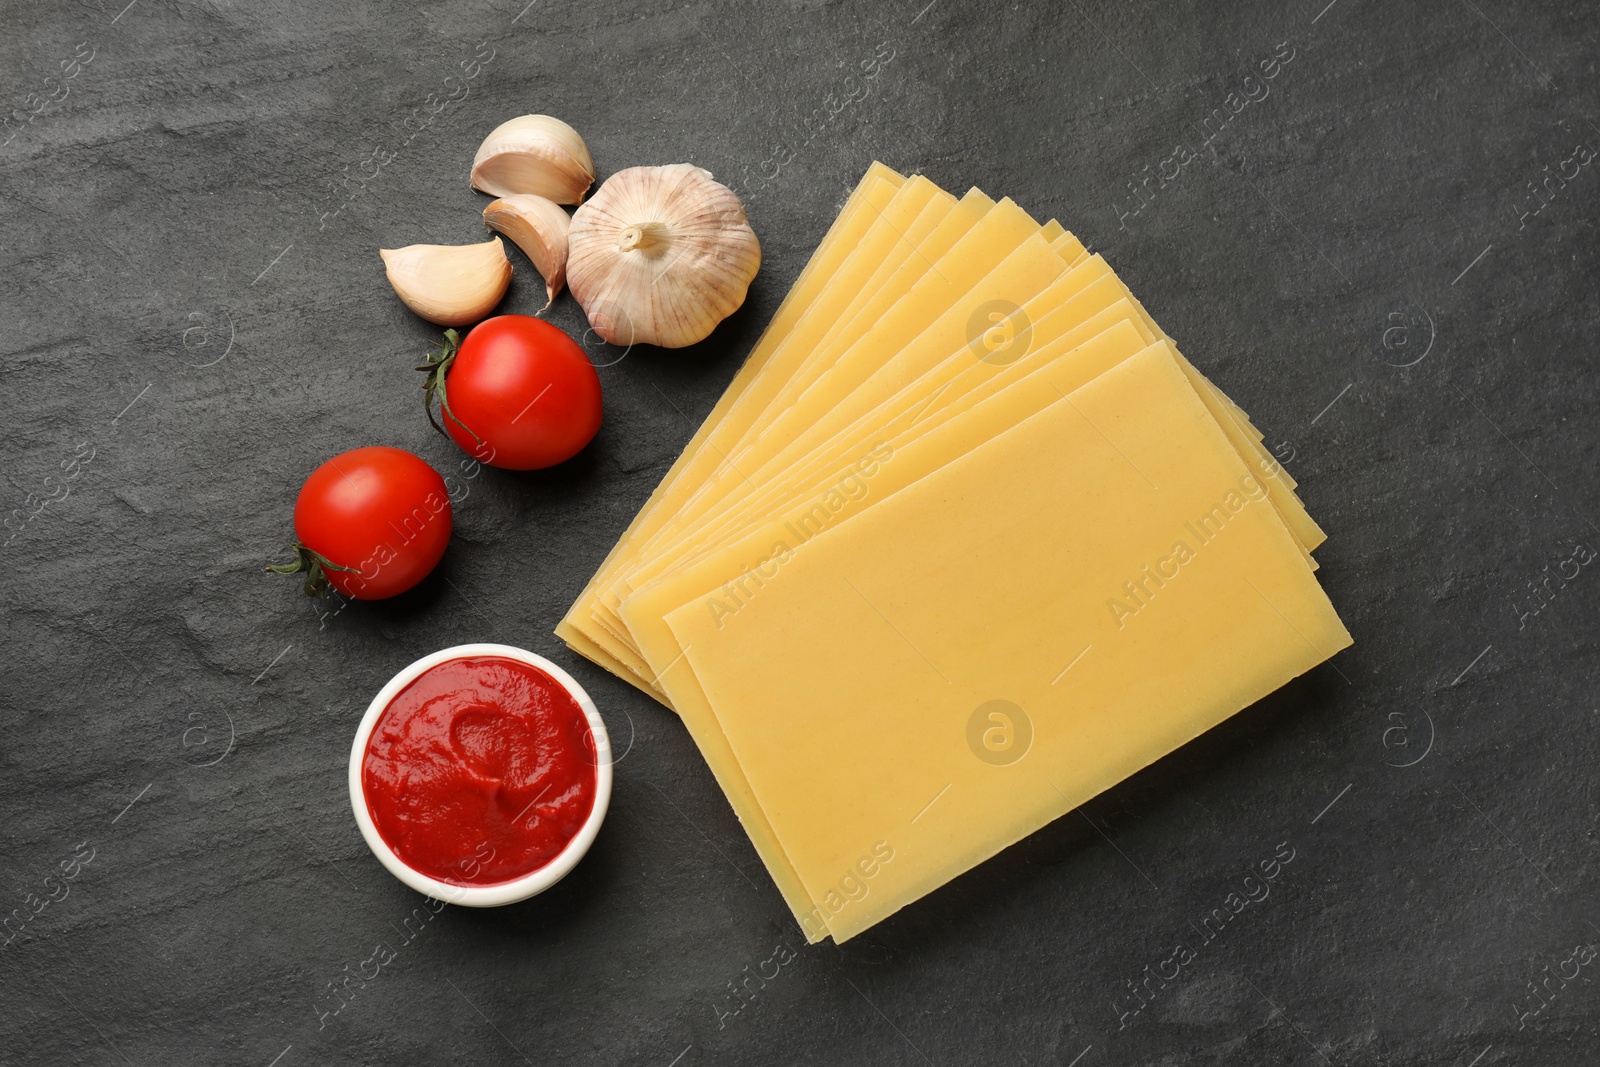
{"points": [[966, 542]]}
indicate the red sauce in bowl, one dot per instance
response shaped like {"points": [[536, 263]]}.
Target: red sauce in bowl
{"points": [[480, 771]]}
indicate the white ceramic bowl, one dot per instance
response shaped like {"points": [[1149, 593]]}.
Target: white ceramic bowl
{"points": [[483, 896]]}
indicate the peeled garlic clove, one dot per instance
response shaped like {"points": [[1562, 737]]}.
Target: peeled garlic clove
{"points": [[534, 154], [452, 285], [538, 227], [661, 255]]}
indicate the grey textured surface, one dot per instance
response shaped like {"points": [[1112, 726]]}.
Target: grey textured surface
{"points": [[192, 292]]}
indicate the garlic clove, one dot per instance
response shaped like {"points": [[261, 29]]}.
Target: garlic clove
{"points": [[452, 285], [534, 154], [661, 255], [538, 227]]}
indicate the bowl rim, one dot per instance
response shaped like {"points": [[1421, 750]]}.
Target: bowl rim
{"points": [[532, 883]]}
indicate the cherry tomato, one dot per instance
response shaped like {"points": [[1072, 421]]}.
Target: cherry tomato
{"points": [[521, 394], [372, 521]]}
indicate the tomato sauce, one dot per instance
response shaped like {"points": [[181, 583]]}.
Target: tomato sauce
{"points": [[480, 771]]}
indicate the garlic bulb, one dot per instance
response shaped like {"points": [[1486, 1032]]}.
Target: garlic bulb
{"points": [[661, 255], [452, 285], [538, 227], [534, 154]]}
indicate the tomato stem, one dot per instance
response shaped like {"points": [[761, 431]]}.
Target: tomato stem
{"points": [[314, 565], [437, 368]]}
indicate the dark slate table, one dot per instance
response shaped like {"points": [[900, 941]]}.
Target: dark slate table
{"points": [[1385, 252]]}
